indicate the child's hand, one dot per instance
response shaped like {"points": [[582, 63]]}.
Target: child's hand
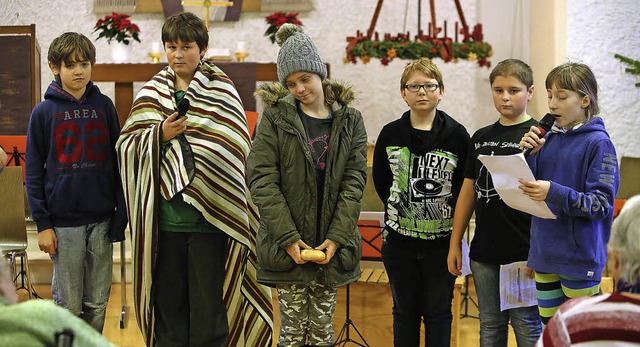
{"points": [[532, 140], [48, 241], [529, 272], [536, 190], [172, 127], [329, 247], [454, 260], [294, 251]]}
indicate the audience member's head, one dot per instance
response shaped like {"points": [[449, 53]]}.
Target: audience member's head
{"points": [[624, 244], [616, 314]]}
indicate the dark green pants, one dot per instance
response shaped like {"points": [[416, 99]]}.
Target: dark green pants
{"points": [[187, 290]]}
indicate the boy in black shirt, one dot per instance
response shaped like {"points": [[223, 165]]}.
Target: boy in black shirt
{"points": [[502, 233]]}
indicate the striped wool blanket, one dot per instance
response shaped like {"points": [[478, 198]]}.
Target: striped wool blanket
{"points": [[219, 139]]}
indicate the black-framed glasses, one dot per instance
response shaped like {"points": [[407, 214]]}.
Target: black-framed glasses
{"points": [[428, 88]]}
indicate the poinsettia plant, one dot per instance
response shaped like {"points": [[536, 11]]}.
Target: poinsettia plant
{"points": [[117, 26], [275, 21]]}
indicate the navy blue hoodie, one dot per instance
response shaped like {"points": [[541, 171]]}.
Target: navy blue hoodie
{"points": [[582, 166], [72, 174]]}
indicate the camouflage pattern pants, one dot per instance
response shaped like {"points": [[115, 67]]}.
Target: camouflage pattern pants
{"points": [[306, 312]]}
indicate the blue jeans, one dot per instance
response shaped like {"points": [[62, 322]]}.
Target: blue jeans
{"points": [[422, 290], [82, 271], [494, 324]]}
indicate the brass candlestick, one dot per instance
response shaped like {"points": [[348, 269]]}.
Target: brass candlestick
{"points": [[155, 57], [241, 56]]}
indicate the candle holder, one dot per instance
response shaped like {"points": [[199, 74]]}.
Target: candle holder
{"points": [[155, 57], [241, 56]]}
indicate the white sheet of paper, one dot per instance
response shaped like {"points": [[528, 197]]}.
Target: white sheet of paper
{"points": [[466, 269], [505, 171], [516, 289]]}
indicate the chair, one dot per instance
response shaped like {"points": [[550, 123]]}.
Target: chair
{"points": [[13, 228], [252, 119]]}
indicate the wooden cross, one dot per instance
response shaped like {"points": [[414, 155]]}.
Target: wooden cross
{"points": [[207, 4]]}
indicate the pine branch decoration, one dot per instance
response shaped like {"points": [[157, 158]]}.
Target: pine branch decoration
{"points": [[634, 65]]}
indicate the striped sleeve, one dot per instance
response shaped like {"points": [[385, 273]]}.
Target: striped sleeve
{"points": [[603, 320]]}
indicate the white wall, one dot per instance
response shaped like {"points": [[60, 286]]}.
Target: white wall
{"points": [[596, 30]]}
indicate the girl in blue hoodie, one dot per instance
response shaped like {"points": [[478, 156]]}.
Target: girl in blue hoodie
{"points": [[577, 176]]}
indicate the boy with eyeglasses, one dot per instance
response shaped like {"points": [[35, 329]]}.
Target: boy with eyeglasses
{"points": [[418, 167]]}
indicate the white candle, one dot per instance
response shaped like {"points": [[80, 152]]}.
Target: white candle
{"points": [[242, 47], [156, 47]]}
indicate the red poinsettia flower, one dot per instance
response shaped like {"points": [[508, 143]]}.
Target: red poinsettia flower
{"points": [[275, 21], [117, 27]]}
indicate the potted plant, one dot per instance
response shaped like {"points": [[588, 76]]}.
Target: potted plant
{"points": [[117, 27]]}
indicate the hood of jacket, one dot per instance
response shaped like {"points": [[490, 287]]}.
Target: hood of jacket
{"points": [[56, 92], [444, 128], [271, 93], [591, 125]]}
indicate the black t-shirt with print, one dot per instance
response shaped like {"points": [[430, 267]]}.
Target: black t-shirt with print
{"points": [[318, 133], [502, 233]]}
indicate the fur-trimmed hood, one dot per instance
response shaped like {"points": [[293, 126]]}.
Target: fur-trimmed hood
{"points": [[270, 93]]}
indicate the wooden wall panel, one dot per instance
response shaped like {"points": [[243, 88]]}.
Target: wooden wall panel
{"points": [[20, 78]]}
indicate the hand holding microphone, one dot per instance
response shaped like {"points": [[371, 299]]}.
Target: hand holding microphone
{"points": [[534, 138], [176, 124], [183, 107]]}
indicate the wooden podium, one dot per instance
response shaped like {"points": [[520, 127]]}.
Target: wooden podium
{"points": [[243, 75]]}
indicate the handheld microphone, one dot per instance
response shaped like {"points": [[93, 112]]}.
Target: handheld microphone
{"points": [[183, 107], [544, 125]]}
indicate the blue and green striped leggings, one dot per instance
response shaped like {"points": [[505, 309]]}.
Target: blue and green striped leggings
{"points": [[555, 289]]}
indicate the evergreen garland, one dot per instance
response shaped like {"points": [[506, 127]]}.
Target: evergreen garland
{"points": [[387, 50]]}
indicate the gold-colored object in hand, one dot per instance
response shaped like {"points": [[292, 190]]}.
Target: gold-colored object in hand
{"points": [[156, 56], [312, 254], [241, 56]]}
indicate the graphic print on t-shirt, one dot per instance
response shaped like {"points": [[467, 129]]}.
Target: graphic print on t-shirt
{"points": [[417, 205], [318, 147], [484, 184]]}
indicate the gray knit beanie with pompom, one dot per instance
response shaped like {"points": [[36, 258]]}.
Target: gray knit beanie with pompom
{"points": [[297, 53]]}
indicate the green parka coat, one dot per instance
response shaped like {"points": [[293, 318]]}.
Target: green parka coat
{"points": [[282, 179]]}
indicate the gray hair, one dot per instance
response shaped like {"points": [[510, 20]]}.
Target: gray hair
{"points": [[625, 239]]}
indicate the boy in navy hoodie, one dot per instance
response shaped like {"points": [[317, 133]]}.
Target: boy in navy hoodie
{"points": [[73, 186]]}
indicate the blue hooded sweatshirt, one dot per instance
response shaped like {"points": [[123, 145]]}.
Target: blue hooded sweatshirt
{"points": [[582, 166], [72, 174]]}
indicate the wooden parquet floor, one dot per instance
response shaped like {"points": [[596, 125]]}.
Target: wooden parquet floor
{"points": [[370, 311]]}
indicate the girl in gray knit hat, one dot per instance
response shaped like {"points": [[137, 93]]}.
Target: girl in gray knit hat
{"points": [[307, 172]]}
